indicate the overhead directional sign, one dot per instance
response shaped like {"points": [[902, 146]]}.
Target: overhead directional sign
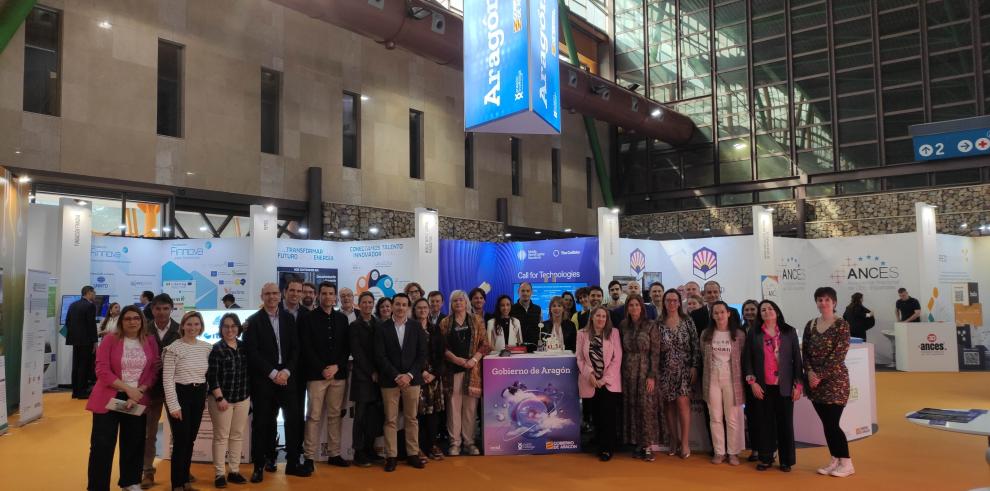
{"points": [[511, 70], [960, 138]]}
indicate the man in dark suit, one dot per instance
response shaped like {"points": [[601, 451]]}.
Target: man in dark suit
{"points": [[166, 331], [365, 393], [272, 347], [292, 304], [80, 327], [400, 354], [146, 297], [529, 315], [325, 349], [436, 307]]}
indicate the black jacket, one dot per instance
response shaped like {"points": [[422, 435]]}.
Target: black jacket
{"points": [[529, 320], [323, 341], [171, 335], [567, 328], [435, 350], [859, 323], [701, 319], [789, 366], [262, 347], [80, 323], [361, 336], [147, 312], [392, 360]]}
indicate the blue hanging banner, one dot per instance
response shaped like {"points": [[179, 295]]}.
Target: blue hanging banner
{"points": [[511, 70], [969, 137]]}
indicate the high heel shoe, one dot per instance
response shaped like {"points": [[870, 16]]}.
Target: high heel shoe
{"points": [[684, 455]]}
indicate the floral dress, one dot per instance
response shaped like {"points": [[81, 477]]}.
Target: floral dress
{"points": [[825, 354], [640, 357], [679, 353]]}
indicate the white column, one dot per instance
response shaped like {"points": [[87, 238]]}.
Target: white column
{"points": [[75, 239], [928, 293], [608, 244], [261, 265], [427, 249], [765, 260]]}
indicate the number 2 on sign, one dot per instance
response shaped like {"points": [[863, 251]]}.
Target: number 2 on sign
{"points": [[939, 149]]}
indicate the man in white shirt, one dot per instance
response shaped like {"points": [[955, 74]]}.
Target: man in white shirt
{"points": [[347, 304]]}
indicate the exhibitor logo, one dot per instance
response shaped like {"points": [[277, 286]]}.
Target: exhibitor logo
{"points": [[864, 269], [704, 263], [637, 262], [932, 346], [790, 269]]}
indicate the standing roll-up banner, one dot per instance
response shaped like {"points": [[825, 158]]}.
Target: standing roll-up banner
{"points": [[37, 323], [76, 240], [928, 262], [609, 250], [261, 262], [765, 258], [427, 249]]}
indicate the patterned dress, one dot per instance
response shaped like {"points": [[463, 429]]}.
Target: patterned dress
{"points": [[431, 400], [825, 354], [640, 359], [679, 353]]}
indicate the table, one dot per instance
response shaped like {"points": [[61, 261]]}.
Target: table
{"points": [[926, 347], [979, 426], [531, 404], [860, 413]]}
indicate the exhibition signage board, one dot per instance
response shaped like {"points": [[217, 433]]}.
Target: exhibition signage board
{"points": [[511, 71], [37, 326], [969, 137], [531, 404]]}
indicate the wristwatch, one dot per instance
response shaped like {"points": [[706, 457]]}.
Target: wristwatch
{"points": [[219, 398]]}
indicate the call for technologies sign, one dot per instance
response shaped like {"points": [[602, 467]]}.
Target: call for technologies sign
{"points": [[511, 70]]}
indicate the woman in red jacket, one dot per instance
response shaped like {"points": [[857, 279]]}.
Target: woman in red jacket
{"points": [[126, 365]]}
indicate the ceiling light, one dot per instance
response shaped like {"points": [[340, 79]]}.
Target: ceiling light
{"points": [[203, 228], [615, 210], [303, 230], [365, 98], [538, 232], [567, 230], [105, 24], [770, 209], [17, 152], [964, 225], [329, 232], [656, 113], [190, 173], [122, 226], [81, 202], [270, 208], [23, 179], [373, 230], [155, 230], [345, 232], [166, 229], [507, 234]]}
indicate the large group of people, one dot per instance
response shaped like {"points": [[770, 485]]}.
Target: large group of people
{"points": [[640, 360]]}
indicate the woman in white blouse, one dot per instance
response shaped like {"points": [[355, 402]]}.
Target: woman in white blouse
{"points": [[503, 330], [185, 363], [109, 324]]}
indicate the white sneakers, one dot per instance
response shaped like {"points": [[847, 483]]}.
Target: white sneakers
{"points": [[844, 469], [829, 468]]}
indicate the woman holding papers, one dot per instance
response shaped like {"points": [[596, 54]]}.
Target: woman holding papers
{"points": [[126, 365]]}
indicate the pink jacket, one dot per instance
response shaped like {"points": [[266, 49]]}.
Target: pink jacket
{"points": [[108, 371], [612, 355]]}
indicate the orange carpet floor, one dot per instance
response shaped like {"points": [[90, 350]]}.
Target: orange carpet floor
{"points": [[52, 454]]}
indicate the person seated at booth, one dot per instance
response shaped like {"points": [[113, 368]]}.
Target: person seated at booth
{"points": [[558, 333], [503, 330]]}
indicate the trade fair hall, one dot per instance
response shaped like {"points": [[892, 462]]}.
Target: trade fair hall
{"points": [[494, 244]]}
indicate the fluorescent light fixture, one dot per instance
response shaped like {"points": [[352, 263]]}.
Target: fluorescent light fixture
{"points": [[615, 210], [330, 232], [17, 152], [538, 232], [656, 113], [507, 234], [23, 179], [365, 98], [303, 230], [81, 202], [567, 230], [345, 232], [105, 24], [190, 173], [203, 228], [373, 230], [270, 208], [166, 229]]}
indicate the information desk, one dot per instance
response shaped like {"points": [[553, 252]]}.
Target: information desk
{"points": [[926, 347], [861, 411], [531, 404]]}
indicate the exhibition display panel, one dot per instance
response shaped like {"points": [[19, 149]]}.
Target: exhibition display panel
{"points": [[926, 347]]}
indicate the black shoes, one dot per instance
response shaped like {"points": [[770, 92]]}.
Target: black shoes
{"points": [[236, 478], [390, 464], [361, 460], [374, 458], [785, 468], [271, 466], [753, 457], [258, 475], [762, 466], [338, 461], [605, 456], [415, 461], [298, 470], [308, 466], [220, 482]]}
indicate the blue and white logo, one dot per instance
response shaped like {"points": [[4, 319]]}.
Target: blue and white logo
{"points": [[521, 255]]}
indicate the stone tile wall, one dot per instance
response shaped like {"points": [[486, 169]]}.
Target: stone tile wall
{"points": [[395, 224], [873, 214]]}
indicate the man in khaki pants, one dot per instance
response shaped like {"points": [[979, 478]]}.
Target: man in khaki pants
{"points": [[325, 349], [400, 354]]}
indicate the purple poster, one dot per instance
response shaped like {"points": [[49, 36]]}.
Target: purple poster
{"points": [[531, 405]]}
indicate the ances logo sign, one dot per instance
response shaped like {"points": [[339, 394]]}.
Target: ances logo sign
{"points": [[864, 269], [932, 346], [704, 263]]}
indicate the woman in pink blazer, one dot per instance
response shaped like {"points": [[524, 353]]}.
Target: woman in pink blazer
{"points": [[126, 365], [599, 359]]}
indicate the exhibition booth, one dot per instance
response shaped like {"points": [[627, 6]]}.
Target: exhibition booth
{"points": [[942, 271]]}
